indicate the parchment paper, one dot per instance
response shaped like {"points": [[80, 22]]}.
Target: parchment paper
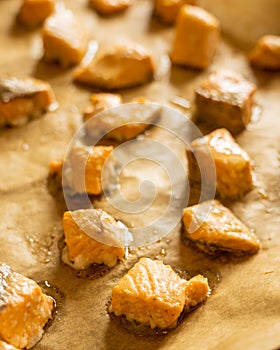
{"points": [[243, 311]]}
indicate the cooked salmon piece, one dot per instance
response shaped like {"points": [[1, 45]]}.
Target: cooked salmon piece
{"points": [[225, 99], [232, 164], [167, 10], [34, 12], [24, 99], [197, 35], [213, 227], [117, 67], [100, 102], [110, 7], [266, 54], [5, 346], [197, 291], [24, 309], [153, 294], [126, 121], [150, 293], [83, 168], [92, 237], [65, 40]]}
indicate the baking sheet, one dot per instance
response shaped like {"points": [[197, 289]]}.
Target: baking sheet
{"points": [[243, 311]]}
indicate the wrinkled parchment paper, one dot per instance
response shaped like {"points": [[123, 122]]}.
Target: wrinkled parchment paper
{"points": [[243, 311]]}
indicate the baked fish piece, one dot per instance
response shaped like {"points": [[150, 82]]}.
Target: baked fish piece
{"points": [[24, 99], [213, 227], [92, 237], [83, 169], [125, 122], [197, 35], [34, 12], [24, 309], [266, 53], [117, 67], [233, 166], [167, 10], [64, 39], [225, 99], [110, 7], [153, 294]]}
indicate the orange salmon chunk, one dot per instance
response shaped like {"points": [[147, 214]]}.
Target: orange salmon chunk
{"points": [[92, 237], [233, 166], [197, 35], [150, 293], [213, 227], [34, 12], [24, 309]]}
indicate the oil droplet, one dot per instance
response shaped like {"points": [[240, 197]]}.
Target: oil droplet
{"points": [[25, 147], [162, 252], [256, 113]]}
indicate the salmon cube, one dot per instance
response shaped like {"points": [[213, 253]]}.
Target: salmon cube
{"points": [[64, 39], [109, 7], [24, 309], [125, 122], [83, 168], [197, 291], [233, 166], [196, 39], [34, 12], [24, 99], [92, 237], [212, 226], [167, 10], [225, 99], [150, 293], [266, 54], [118, 67]]}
